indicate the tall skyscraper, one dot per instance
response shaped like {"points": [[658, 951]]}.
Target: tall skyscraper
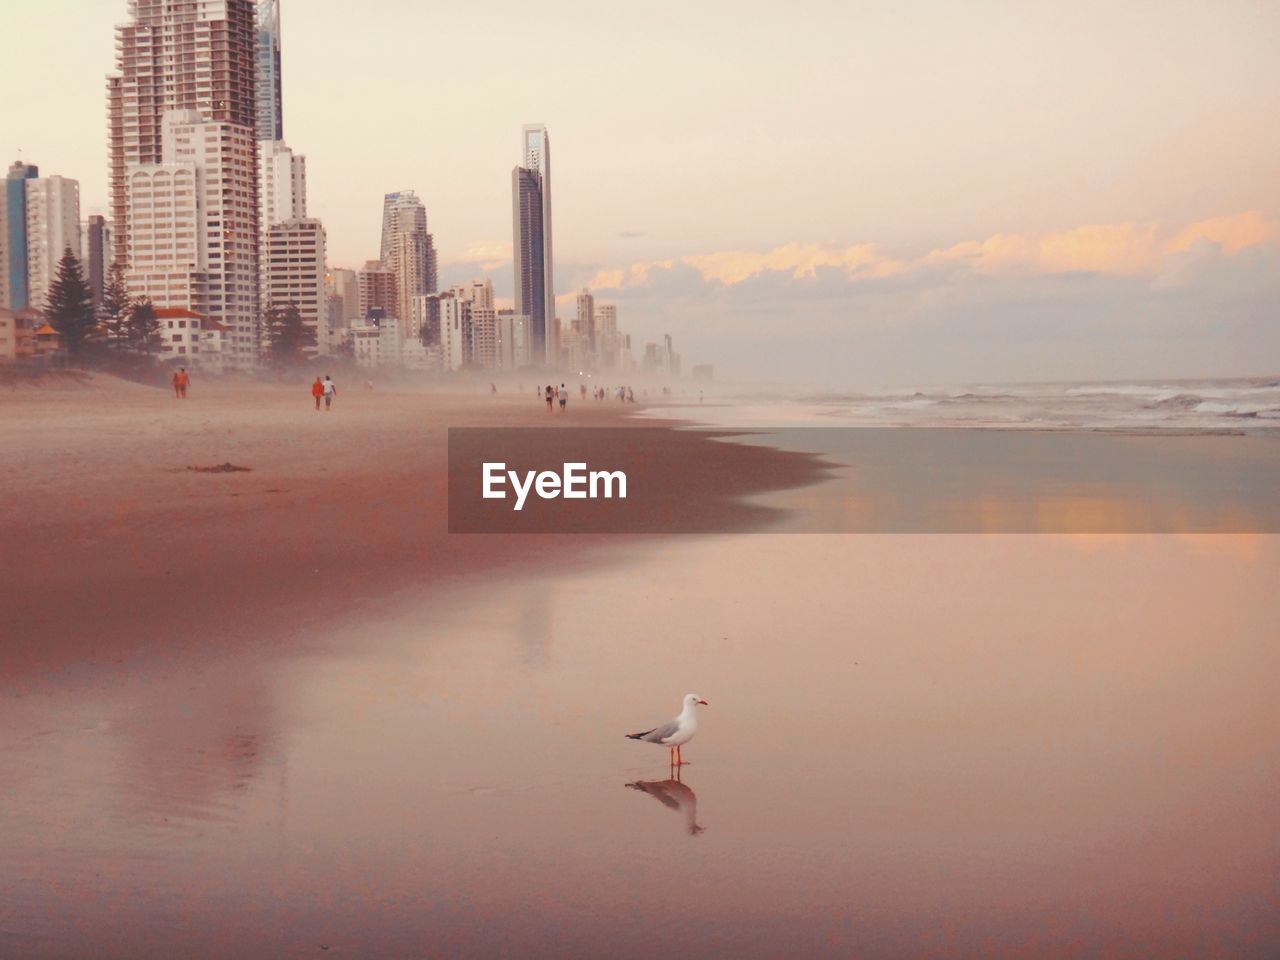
{"points": [[185, 80], [408, 250], [585, 325], [15, 290], [531, 216], [270, 99], [53, 228], [95, 252]]}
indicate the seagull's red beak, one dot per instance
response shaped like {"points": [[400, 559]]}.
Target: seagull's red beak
{"points": [[703, 702]]}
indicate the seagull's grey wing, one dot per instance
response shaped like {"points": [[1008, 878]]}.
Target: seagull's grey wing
{"points": [[658, 734]]}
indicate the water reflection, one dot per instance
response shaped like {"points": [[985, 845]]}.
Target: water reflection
{"points": [[674, 794]]}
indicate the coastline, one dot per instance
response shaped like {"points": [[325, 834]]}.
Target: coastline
{"points": [[115, 547], [411, 743]]}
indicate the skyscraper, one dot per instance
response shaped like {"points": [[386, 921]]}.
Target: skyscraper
{"points": [[270, 99], [585, 325], [15, 290], [53, 228], [531, 218], [95, 251], [408, 250], [186, 80]]}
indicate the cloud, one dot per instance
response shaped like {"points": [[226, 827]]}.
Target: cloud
{"points": [[1118, 249], [1126, 299], [486, 255]]}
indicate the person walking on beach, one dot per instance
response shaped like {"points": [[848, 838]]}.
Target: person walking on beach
{"points": [[329, 390], [549, 394], [317, 391], [564, 397], [180, 381]]}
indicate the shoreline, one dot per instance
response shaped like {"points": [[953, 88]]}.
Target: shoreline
{"points": [[116, 549]]}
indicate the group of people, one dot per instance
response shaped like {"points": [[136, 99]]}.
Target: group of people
{"points": [[551, 394], [326, 390]]}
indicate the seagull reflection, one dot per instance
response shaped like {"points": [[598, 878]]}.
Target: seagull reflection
{"points": [[674, 794]]}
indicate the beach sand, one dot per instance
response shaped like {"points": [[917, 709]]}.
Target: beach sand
{"points": [[927, 745], [114, 544]]}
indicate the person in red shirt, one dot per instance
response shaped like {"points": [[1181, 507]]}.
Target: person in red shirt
{"points": [[317, 391], [180, 381]]}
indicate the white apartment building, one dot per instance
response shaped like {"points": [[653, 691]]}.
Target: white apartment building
{"points": [[380, 343], [182, 109], [293, 273], [455, 332], [513, 347], [190, 340], [484, 337], [53, 227], [284, 183], [181, 225]]}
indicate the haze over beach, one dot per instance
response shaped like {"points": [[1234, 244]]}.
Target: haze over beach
{"points": [[843, 524], [938, 194]]}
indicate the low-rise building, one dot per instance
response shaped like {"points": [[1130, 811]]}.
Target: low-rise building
{"points": [[189, 339], [17, 334]]}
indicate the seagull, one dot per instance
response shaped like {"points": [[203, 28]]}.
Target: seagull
{"points": [[677, 732]]}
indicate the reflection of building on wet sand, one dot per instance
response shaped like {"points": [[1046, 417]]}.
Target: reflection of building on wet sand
{"points": [[675, 795], [195, 751]]}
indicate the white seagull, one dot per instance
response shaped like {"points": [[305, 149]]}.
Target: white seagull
{"points": [[677, 732]]}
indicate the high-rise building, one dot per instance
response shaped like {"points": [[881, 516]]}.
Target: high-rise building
{"points": [[53, 228], [531, 218], [294, 275], [455, 331], [284, 183], [343, 294], [376, 290], [513, 340], [585, 324], [168, 202], [605, 335], [424, 319], [408, 250], [95, 252], [270, 102], [15, 290], [484, 337], [193, 61]]}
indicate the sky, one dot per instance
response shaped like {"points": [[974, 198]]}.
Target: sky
{"points": [[841, 193]]}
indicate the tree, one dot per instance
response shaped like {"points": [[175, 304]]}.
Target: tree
{"points": [[115, 309], [69, 305], [288, 337], [142, 329]]}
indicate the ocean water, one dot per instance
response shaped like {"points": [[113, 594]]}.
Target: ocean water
{"points": [[1226, 404]]}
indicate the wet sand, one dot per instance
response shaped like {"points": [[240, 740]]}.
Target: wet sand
{"points": [[970, 746]]}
